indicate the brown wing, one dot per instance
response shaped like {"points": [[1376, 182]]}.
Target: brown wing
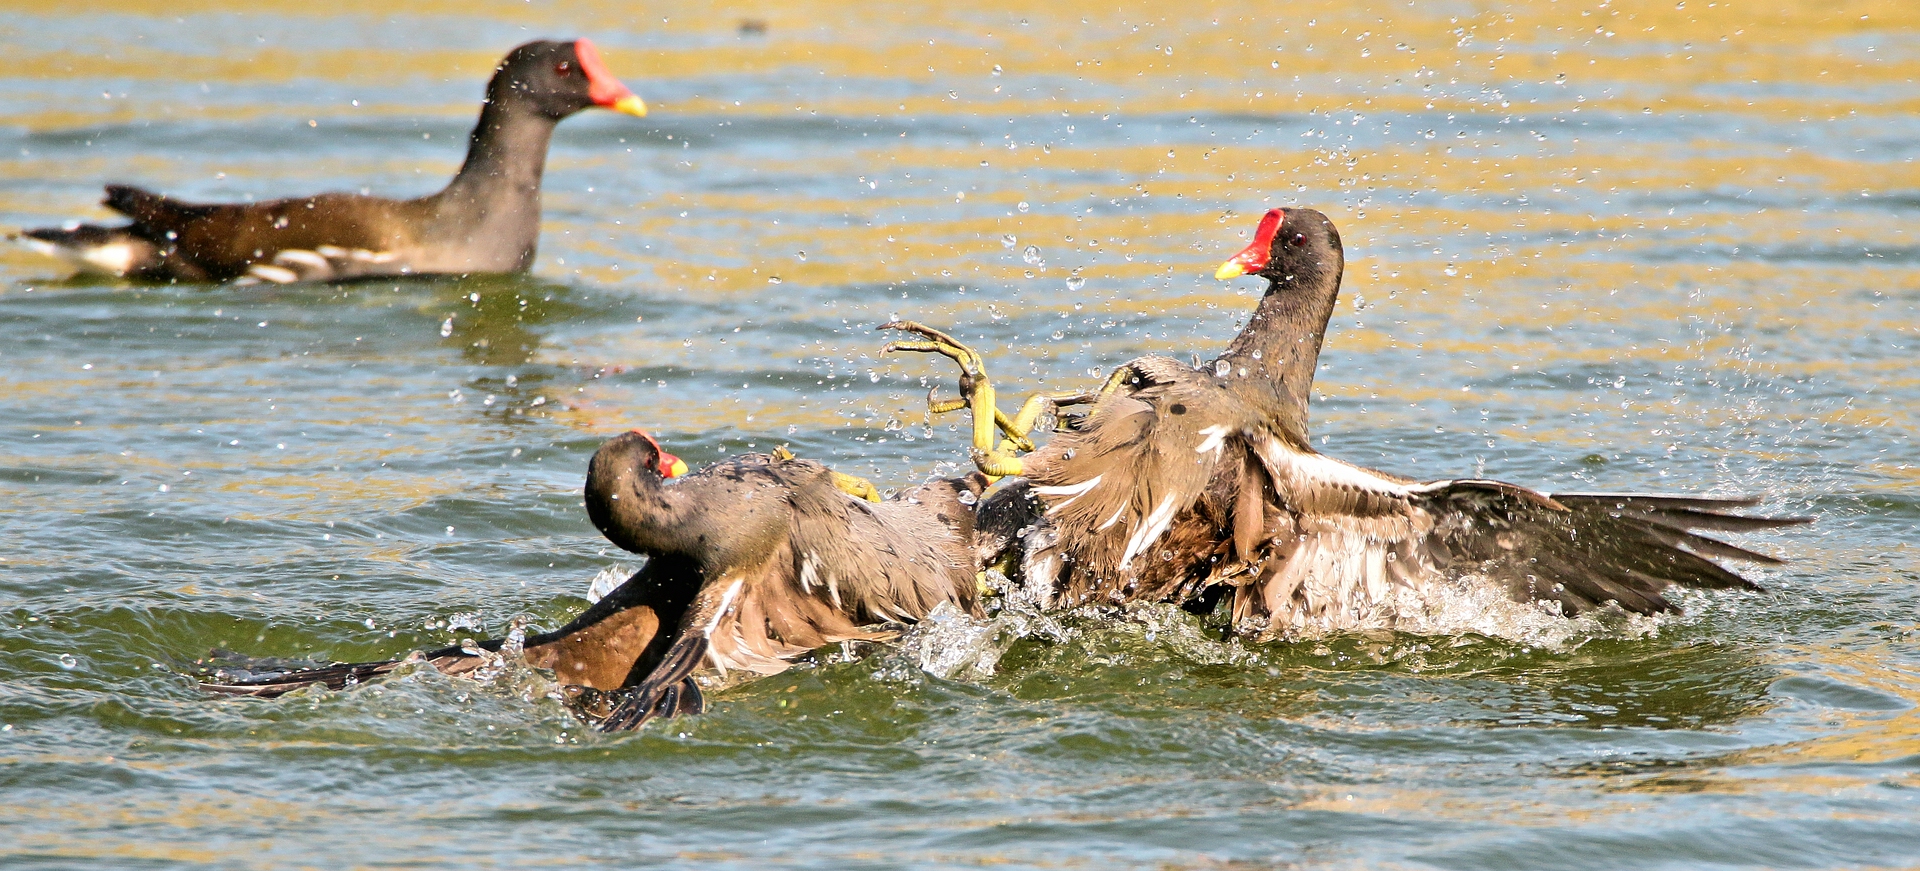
{"points": [[1139, 497], [1584, 549], [223, 240], [1361, 534]]}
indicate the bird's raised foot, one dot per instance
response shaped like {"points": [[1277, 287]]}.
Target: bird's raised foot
{"points": [[935, 342]]}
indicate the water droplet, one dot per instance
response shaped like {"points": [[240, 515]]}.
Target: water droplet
{"points": [[800, 255], [1007, 240], [1076, 282], [1222, 368], [773, 279], [966, 497], [1031, 255], [446, 328], [1023, 206], [68, 662], [996, 69]]}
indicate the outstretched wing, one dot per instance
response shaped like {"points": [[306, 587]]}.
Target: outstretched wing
{"points": [[1359, 532], [1585, 549]]}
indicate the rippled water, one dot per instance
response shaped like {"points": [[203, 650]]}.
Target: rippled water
{"points": [[1662, 246]]}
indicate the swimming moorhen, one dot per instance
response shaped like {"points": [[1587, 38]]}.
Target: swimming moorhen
{"points": [[754, 561], [1184, 482], [486, 220]]}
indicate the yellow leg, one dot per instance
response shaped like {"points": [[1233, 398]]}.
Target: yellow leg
{"points": [[976, 390], [976, 393]]}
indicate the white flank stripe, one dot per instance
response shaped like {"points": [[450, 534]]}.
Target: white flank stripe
{"points": [[301, 257], [1071, 491], [726, 602], [275, 274], [808, 576], [1115, 518], [1156, 523], [1216, 439]]}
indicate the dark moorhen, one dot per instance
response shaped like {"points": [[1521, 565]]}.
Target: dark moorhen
{"points": [[486, 220], [754, 561], [1183, 483]]}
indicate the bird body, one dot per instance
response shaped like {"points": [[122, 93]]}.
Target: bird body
{"points": [[486, 220], [753, 561], [1182, 481]]}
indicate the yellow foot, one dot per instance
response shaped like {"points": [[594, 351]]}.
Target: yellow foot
{"points": [[848, 484], [854, 486]]}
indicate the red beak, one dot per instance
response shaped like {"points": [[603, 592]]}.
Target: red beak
{"points": [[1253, 258], [602, 88]]}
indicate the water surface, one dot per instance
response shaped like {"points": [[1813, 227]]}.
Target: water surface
{"points": [[1591, 246]]}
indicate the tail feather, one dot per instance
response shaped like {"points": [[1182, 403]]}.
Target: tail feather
{"points": [[115, 251], [146, 207]]}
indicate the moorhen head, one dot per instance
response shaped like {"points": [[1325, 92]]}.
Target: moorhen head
{"points": [[1290, 247], [560, 78]]}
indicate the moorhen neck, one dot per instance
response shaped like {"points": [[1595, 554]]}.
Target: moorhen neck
{"points": [[486, 220], [753, 561], [1280, 346], [1183, 483]]}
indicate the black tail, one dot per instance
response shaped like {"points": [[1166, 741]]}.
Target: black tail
{"points": [[115, 251]]}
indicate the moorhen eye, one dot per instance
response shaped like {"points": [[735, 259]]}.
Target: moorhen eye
{"points": [[1298, 240], [564, 68]]}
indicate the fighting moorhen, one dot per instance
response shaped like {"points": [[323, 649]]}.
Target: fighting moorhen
{"points": [[486, 220], [1181, 483], [755, 560]]}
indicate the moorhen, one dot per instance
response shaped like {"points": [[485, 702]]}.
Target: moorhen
{"points": [[754, 561], [1182, 483], [486, 220]]}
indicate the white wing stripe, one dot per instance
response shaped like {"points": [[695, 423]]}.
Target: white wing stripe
{"points": [[1298, 471], [1216, 440], [1157, 523], [1071, 491]]}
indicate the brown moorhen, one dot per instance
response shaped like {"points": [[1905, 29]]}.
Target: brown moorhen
{"points": [[1182, 483], [486, 220], [754, 561]]}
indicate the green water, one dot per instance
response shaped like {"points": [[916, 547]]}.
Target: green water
{"points": [[1650, 248]]}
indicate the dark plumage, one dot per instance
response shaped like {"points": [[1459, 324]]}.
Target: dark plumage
{"points": [[754, 561], [1182, 480], [486, 220]]}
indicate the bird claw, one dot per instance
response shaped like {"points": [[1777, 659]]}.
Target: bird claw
{"points": [[936, 342]]}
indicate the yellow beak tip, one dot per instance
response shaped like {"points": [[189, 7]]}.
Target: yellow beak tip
{"points": [[630, 105], [678, 468], [1229, 269]]}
